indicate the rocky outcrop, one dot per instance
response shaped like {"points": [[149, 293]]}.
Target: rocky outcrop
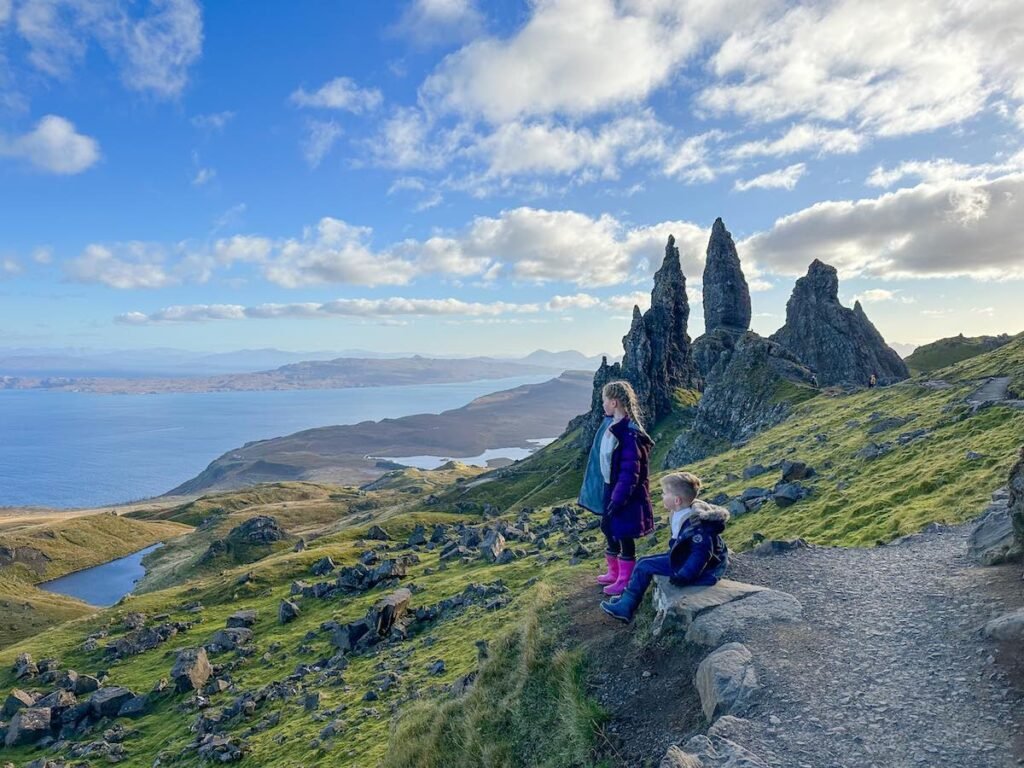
{"points": [[726, 681], [839, 344], [191, 670], [657, 358], [1015, 499], [750, 387], [993, 540], [726, 296]]}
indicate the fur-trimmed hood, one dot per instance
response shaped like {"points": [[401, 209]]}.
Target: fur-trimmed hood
{"points": [[710, 513]]}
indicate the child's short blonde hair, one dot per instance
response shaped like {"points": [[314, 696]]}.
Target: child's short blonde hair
{"points": [[682, 484]]}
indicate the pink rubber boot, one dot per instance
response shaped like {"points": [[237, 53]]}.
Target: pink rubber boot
{"points": [[625, 571], [612, 574]]}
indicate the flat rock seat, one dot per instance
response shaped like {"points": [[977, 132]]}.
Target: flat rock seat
{"points": [[708, 614]]}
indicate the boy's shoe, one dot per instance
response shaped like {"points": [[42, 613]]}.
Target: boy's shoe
{"points": [[625, 571], [612, 575], [621, 609]]}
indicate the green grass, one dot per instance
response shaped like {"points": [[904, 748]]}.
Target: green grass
{"points": [[946, 352], [528, 707]]}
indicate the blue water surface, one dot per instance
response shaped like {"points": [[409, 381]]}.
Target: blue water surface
{"points": [[74, 449], [104, 584]]}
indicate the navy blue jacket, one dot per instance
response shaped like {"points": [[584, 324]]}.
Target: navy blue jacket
{"points": [[698, 555]]}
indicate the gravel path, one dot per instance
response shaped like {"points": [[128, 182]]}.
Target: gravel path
{"points": [[996, 390], [888, 669]]}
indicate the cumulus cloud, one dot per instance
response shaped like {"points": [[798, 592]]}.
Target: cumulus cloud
{"points": [[879, 295], [42, 255], [576, 301], [9, 267], [942, 169], [124, 265], [783, 178], [803, 137], [391, 307], [213, 121], [437, 22], [153, 49], [320, 139], [339, 93], [955, 228], [55, 146]]}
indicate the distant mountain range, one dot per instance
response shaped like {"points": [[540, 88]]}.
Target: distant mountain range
{"points": [[72, 362]]}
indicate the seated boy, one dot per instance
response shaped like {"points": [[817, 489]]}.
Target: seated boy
{"points": [[696, 555]]}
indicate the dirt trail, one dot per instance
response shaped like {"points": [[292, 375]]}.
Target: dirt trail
{"points": [[887, 670]]}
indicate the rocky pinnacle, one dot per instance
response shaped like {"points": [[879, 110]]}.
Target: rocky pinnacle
{"points": [[726, 296]]}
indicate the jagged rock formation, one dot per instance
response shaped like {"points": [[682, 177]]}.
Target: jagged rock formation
{"points": [[839, 344], [726, 296], [750, 387], [657, 357]]}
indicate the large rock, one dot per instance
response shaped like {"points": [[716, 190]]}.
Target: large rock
{"points": [[726, 296], [726, 681], [752, 385], [492, 546], [1009, 627], [106, 702], [230, 638], [839, 344], [287, 612], [16, 699], [993, 540], [1015, 499], [388, 611], [676, 758], [245, 618], [28, 726], [191, 670], [707, 614], [717, 752]]}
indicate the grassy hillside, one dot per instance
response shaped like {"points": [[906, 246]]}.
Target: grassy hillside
{"points": [[946, 352], [54, 548], [393, 704]]}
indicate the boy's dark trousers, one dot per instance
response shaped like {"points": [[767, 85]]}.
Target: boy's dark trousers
{"points": [[646, 569]]}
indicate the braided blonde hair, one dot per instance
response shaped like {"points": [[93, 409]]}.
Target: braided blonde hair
{"points": [[623, 392]]}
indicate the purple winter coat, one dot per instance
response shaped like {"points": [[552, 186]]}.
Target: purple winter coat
{"points": [[629, 503]]}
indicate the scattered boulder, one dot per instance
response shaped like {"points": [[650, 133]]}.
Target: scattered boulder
{"points": [[873, 451], [1008, 627], [418, 537], [137, 706], [492, 546], [753, 471], [721, 753], [322, 567], [889, 422], [191, 670], [376, 533], [993, 540], [287, 612], [107, 702], [86, 684], [786, 494], [17, 699], [24, 667], [727, 681], [390, 610], [28, 726], [246, 618], [796, 470], [778, 546], [229, 639]]}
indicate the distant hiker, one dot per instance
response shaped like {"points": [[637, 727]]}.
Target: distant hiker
{"points": [[872, 381], [615, 483], [697, 555]]}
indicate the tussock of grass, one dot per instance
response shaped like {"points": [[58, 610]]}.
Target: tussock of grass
{"points": [[528, 707]]}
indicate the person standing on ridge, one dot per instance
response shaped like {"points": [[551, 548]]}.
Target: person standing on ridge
{"points": [[615, 483]]}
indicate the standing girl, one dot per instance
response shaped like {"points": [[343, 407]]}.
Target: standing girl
{"points": [[615, 483]]}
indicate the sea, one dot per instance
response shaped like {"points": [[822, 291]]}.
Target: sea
{"points": [[78, 449]]}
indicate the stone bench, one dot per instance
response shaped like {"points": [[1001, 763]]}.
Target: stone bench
{"points": [[705, 615]]}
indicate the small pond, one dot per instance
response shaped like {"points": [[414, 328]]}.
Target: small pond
{"points": [[105, 584]]}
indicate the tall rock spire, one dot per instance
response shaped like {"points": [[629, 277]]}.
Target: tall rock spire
{"points": [[841, 345], [726, 296]]}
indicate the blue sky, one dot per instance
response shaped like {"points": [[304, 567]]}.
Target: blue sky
{"points": [[449, 176]]}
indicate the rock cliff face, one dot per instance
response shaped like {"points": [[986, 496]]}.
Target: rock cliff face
{"points": [[839, 344], [657, 357], [726, 296], [752, 386]]}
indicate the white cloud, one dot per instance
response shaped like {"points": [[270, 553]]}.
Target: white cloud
{"points": [[42, 255], [54, 145], [689, 160], [5, 11], [886, 68], [626, 302], [802, 138], [371, 308], [154, 50], [339, 93], [572, 57], [436, 22], [335, 252], [123, 265], [203, 176], [213, 121], [878, 295], [9, 267], [321, 138], [783, 178], [942, 169], [954, 228], [576, 301]]}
